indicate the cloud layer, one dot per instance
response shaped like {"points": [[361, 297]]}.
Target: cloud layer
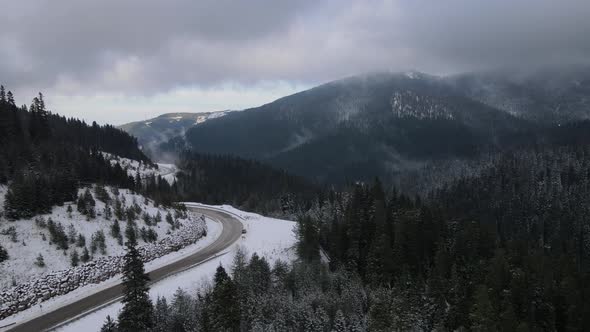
{"points": [[143, 48]]}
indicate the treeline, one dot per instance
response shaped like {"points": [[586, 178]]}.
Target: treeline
{"points": [[246, 184], [252, 295], [46, 157], [36, 190], [504, 251]]}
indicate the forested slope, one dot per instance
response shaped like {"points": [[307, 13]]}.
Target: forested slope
{"points": [[505, 250], [46, 157]]}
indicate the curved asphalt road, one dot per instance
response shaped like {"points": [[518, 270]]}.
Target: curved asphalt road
{"points": [[232, 229]]}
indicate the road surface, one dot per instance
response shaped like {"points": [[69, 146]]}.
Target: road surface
{"points": [[232, 230]]}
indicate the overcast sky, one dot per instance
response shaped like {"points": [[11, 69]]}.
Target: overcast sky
{"points": [[117, 60]]}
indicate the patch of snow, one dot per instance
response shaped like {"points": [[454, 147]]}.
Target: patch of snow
{"points": [[411, 75], [215, 115], [209, 116]]}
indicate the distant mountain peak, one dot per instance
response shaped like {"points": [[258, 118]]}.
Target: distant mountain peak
{"points": [[417, 75], [152, 132]]}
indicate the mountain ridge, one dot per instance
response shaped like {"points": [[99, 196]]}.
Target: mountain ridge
{"points": [[386, 121], [152, 132], [382, 117]]}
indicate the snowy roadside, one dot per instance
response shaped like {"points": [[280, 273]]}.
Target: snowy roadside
{"points": [[272, 238], [214, 229], [32, 237]]}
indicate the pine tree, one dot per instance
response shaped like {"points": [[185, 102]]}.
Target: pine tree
{"points": [[86, 204], [137, 181], [130, 233], [137, 312], [380, 263], [11, 206], [40, 261], [2, 94], [115, 229], [109, 325], [85, 255], [339, 322], [322, 319], [161, 315], [81, 241], [41, 104], [10, 98], [3, 254], [75, 258], [102, 194], [308, 247], [108, 212], [72, 234], [482, 312], [169, 219], [259, 272], [225, 311], [147, 219], [182, 310], [508, 319]]}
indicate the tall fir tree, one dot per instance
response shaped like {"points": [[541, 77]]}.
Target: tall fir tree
{"points": [[225, 310], [109, 325], [10, 98], [137, 312]]}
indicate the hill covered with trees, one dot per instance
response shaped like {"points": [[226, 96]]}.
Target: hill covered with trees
{"points": [[506, 250], [45, 157]]}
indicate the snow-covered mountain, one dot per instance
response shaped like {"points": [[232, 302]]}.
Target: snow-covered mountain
{"points": [[376, 123], [150, 133], [383, 122]]}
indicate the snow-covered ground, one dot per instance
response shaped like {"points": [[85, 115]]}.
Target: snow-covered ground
{"points": [[32, 239], [271, 238], [213, 231], [167, 171]]}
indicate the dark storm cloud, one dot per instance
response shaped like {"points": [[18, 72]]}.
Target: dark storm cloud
{"points": [[46, 41], [473, 34], [142, 47]]}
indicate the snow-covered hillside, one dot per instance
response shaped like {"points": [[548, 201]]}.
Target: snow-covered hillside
{"points": [[152, 132], [26, 240]]}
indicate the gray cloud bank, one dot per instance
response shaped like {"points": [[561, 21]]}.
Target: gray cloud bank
{"points": [[142, 47]]}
